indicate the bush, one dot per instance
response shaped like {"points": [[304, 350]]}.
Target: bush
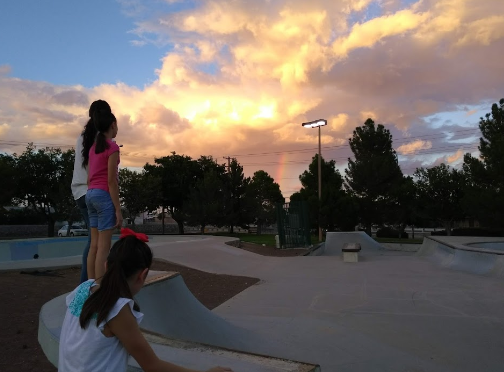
{"points": [[471, 231], [389, 232]]}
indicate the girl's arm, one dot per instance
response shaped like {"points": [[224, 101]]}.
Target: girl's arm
{"points": [[114, 186], [125, 327]]}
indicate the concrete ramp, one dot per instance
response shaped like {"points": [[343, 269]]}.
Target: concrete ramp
{"points": [[455, 253], [172, 311], [335, 240]]}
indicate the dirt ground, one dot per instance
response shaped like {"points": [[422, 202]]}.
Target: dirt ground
{"points": [[22, 295], [271, 251]]}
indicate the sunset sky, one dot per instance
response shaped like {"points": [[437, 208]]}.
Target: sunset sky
{"points": [[238, 77]]}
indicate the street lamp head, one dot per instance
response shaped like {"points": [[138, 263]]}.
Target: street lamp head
{"points": [[315, 123]]}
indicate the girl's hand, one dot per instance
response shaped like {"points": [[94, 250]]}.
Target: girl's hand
{"points": [[119, 219], [220, 369]]}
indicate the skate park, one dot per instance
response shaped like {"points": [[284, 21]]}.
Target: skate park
{"points": [[437, 309]]}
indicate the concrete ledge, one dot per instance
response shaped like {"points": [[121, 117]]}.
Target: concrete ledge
{"points": [[46, 264]]}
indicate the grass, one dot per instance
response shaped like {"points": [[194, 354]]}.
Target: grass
{"points": [[269, 239]]}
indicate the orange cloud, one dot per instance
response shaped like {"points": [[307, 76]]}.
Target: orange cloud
{"points": [[457, 156], [413, 147]]}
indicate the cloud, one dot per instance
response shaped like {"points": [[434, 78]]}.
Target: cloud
{"points": [[240, 77], [483, 31], [457, 156], [377, 29], [5, 69], [71, 97], [413, 147]]}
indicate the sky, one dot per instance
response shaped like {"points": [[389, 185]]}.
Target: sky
{"points": [[238, 77]]}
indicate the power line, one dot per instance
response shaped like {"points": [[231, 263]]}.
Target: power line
{"points": [[395, 141]]}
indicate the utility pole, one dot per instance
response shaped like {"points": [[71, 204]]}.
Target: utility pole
{"points": [[229, 163]]}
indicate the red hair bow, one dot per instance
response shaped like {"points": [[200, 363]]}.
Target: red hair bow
{"points": [[128, 232]]}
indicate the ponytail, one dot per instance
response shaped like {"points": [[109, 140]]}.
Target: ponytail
{"points": [[127, 257], [89, 132], [103, 120], [101, 143]]}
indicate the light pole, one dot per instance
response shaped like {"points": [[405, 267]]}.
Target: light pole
{"points": [[318, 124]]}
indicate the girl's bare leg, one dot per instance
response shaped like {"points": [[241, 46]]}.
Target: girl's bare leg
{"points": [[93, 249], [104, 243]]}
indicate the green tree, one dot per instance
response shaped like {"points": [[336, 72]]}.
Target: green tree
{"points": [[441, 190], [484, 196], [8, 185], [404, 205], [205, 204], [176, 175], [44, 177], [262, 195], [332, 198], [492, 142], [136, 194], [235, 189], [374, 173]]}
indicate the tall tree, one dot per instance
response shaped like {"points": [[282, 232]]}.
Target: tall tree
{"points": [[492, 142], [441, 190], [331, 202], [404, 205], [484, 197], [374, 172], [8, 184], [262, 195], [135, 193], [235, 188], [205, 204], [44, 177], [177, 174]]}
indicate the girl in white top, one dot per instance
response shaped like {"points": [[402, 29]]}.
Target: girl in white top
{"points": [[101, 323]]}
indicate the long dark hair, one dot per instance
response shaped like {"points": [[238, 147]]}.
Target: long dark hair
{"points": [[89, 132], [103, 119], [127, 257]]}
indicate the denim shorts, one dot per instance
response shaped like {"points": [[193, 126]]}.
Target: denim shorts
{"points": [[101, 209]]}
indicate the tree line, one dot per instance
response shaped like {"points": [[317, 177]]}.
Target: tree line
{"points": [[195, 192], [202, 192]]}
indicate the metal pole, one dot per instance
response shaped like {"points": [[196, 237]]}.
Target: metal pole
{"points": [[319, 182]]}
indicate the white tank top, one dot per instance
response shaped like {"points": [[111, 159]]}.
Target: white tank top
{"points": [[88, 350]]}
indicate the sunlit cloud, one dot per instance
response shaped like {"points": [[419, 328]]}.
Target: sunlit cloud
{"points": [[457, 156], [413, 147]]}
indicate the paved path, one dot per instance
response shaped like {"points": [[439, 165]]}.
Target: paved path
{"points": [[389, 312]]}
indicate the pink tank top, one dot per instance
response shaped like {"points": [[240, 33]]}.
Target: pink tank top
{"points": [[98, 166]]}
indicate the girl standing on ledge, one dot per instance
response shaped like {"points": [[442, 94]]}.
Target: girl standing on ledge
{"points": [[102, 198]]}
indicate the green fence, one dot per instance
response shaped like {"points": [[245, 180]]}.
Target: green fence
{"points": [[293, 225]]}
